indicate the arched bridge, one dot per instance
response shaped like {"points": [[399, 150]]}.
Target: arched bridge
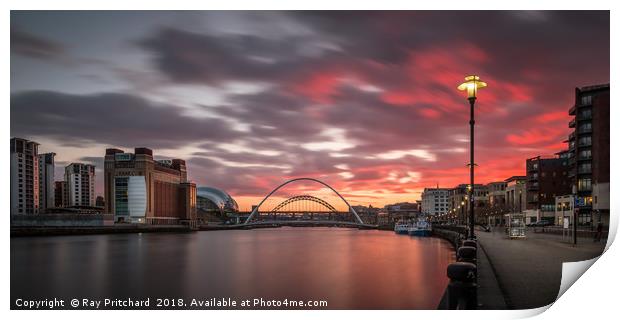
{"points": [[305, 204], [304, 210]]}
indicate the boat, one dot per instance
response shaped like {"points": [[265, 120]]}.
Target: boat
{"points": [[420, 229], [402, 227]]}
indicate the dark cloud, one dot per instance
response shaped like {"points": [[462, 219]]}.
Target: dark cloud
{"points": [[192, 57], [111, 118], [34, 46]]}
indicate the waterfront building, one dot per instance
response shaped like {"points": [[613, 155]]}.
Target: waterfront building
{"points": [[369, 214], [60, 194], [383, 218], [516, 194], [497, 193], [46, 181], [588, 146], [494, 212], [99, 202], [80, 184], [402, 211], [213, 204], [458, 201], [435, 201], [546, 179], [24, 176], [139, 189]]}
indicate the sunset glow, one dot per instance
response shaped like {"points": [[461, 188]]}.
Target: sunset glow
{"points": [[364, 101]]}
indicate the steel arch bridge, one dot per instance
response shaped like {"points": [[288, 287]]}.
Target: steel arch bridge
{"points": [[303, 198], [330, 209]]}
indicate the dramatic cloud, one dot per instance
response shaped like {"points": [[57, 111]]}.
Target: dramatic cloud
{"points": [[115, 119], [33, 46], [365, 101]]}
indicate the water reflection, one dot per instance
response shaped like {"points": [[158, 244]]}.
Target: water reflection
{"points": [[350, 268]]}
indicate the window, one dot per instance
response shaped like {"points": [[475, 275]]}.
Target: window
{"points": [[585, 127], [585, 114], [585, 167], [121, 195], [585, 141], [586, 100], [584, 184], [585, 154]]}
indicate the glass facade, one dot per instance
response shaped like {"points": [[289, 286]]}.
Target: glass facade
{"points": [[121, 196]]}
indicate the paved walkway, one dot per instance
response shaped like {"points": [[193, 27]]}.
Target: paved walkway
{"points": [[529, 270]]}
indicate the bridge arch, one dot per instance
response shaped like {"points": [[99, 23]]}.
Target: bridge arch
{"points": [[255, 210], [302, 198]]}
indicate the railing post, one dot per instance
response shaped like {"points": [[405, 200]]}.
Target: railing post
{"points": [[462, 289]]}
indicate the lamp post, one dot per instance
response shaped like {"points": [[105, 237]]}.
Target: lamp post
{"points": [[471, 85]]}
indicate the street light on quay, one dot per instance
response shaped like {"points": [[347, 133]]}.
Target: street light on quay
{"points": [[471, 85]]}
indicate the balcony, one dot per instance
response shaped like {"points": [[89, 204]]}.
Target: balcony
{"points": [[584, 168], [571, 136], [572, 110], [584, 157], [585, 116], [583, 130], [585, 143], [571, 124]]}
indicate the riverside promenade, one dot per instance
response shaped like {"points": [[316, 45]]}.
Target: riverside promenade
{"points": [[526, 272]]}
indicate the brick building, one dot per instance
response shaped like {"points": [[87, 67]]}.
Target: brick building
{"points": [[588, 146], [139, 189]]}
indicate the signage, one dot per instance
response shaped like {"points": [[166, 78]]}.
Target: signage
{"points": [[122, 157], [580, 201], [566, 222]]}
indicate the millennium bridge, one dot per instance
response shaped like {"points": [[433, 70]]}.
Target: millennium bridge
{"points": [[303, 210]]}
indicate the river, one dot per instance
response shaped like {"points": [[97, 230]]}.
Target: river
{"points": [[348, 268]]}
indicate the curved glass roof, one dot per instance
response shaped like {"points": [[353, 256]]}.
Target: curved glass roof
{"points": [[219, 197]]}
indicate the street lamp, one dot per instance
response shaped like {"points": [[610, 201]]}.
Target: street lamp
{"points": [[471, 85], [463, 217]]}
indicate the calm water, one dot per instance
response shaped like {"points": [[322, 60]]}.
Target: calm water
{"points": [[350, 268]]}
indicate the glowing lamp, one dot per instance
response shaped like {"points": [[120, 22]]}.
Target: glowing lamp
{"points": [[472, 84]]}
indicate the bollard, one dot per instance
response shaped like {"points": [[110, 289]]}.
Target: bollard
{"points": [[469, 243], [462, 293], [466, 254]]}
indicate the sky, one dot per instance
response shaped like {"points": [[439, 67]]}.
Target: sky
{"points": [[364, 101]]}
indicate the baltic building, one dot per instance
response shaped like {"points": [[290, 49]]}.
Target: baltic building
{"points": [[139, 189]]}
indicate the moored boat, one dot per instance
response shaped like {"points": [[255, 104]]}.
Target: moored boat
{"points": [[402, 227], [420, 229]]}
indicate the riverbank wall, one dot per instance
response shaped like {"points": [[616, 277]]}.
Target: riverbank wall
{"points": [[70, 231], [454, 235]]}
